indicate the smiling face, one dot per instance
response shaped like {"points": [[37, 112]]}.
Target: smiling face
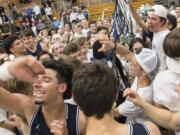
{"points": [[18, 48], [48, 88], [29, 41]]}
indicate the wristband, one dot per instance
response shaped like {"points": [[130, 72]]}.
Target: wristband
{"points": [[4, 73]]}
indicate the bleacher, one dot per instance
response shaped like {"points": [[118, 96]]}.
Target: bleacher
{"points": [[108, 8]]}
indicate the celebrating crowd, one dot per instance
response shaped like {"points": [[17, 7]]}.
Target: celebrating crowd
{"points": [[68, 75]]}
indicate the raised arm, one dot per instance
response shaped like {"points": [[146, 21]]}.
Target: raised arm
{"points": [[24, 68], [164, 118], [138, 19]]}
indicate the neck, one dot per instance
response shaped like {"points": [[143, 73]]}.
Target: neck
{"points": [[54, 111], [162, 28], [106, 125], [143, 81], [32, 47]]}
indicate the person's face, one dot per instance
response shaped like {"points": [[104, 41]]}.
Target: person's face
{"points": [[18, 47], [47, 89], [56, 39], [85, 24], [93, 28], [154, 23], [106, 24], [57, 49], [29, 41], [136, 70], [84, 51], [137, 46], [79, 29]]}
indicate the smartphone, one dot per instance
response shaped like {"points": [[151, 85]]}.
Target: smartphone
{"points": [[96, 54]]}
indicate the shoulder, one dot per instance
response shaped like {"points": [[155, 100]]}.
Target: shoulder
{"points": [[154, 130], [27, 104]]}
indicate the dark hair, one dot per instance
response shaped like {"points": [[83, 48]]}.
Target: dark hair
{"points": [[92, 22], [44, 53], [71, 48], [72, 62], [163, 20], [172, 20], [64, 74], [7, 44], [28, 33], [94, 89], [102, 28], [136, 40], [171, 44]]}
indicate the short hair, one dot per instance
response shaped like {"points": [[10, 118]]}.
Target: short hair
{"points": [[136, 40], [43, 53], [163, 20], [7, 44], [64, 74], [172, 20], [28, 33], [71, 48], [171, 44], [79, 41], [94, 89], [92, 22], [102, 28], [72, 62]]}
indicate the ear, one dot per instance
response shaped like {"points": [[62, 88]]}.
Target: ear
{"points": [[62, 87]]}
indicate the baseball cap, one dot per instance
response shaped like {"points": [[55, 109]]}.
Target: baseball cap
{"points": [[149, 61], [159, 10]]}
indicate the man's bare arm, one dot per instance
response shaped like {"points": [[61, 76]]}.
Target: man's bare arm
{"points": [[163, 117], [138, 19]]}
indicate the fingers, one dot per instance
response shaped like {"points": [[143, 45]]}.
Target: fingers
{"points": [[58, 127], [36, 66], [26, 69]]}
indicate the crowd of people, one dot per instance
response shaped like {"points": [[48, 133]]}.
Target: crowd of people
{"points": [[67, 76]]}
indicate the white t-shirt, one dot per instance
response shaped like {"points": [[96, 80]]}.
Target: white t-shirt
{"points": [[134, 113], [37, 10], [157, 45], [73, 16], [164, 90]]}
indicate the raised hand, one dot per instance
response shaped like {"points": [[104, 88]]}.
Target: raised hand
{"points": [[107, 44], [26, 69], [133, 96], [58, 128]]}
